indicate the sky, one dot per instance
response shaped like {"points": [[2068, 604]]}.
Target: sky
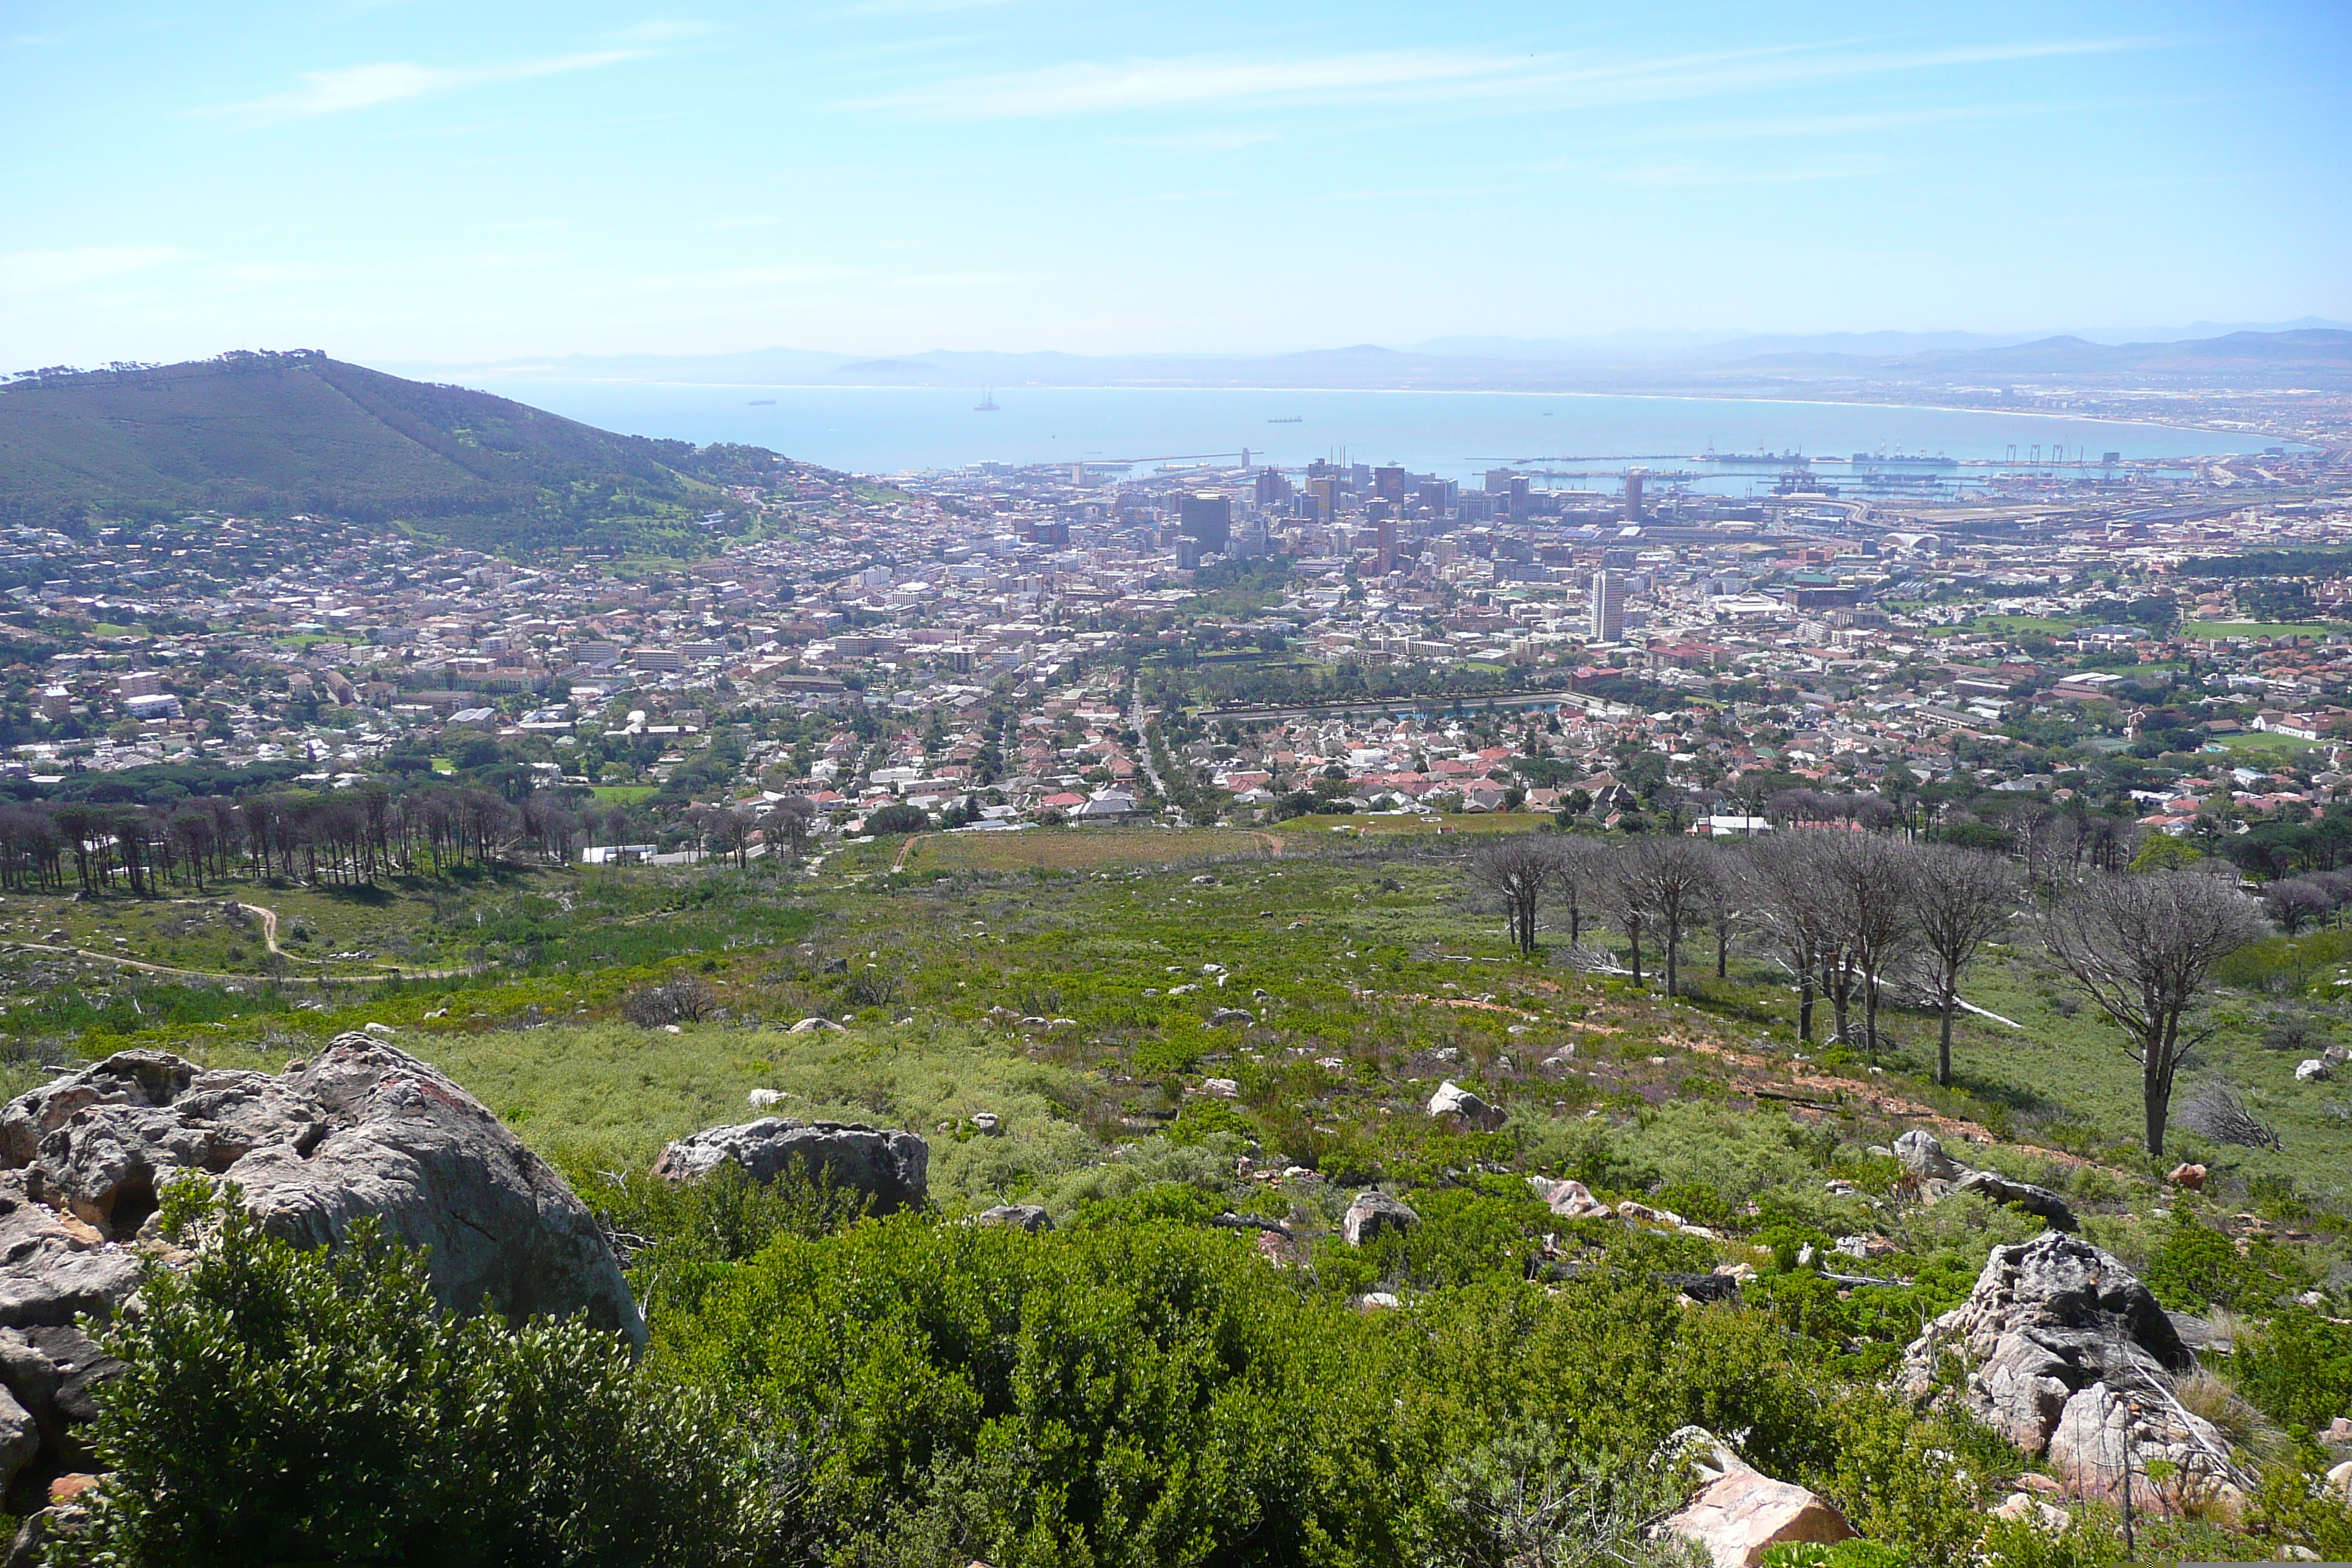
{"points": [[430, 180]]}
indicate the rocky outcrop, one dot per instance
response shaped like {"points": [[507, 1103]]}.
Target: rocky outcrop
{"points": [[1738, 1513], [364, 1131], [1453, 1099], [2067, 1355], [1372, 1212], [1031, 1217], [890, 1167], [1939, 1175]]}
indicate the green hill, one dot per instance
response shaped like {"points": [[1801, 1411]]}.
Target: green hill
{"points": [[280, 435]]}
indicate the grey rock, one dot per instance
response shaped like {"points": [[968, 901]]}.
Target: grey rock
{"points": [[2025, 1195], [1372, 1212], [890, 1166], [1232, 1018], [362, 1131], [2047, 1318], [1031, 1217], [1922, 1153], [20, 1439], [1453, 1099], [2313, 1071]]}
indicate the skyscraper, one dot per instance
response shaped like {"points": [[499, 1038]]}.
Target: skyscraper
{"points": [[1209, 519], [1633, 478], [1608, 607]]}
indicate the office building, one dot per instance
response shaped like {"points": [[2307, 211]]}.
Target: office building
{"points": [[1633, 478], [1608, 607], [1207, 519]]}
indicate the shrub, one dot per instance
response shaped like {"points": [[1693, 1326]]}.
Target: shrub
{"points": [[899, 818], [2299, 1370], [680, 999], [2193, 1268], [278, 1404]]}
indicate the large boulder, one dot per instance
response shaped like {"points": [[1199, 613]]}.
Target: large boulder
{"points": [[364, 1131], [2046, 1320], [1372, 1212], [1922, 1154], [1740, 1513], [1453, 1099], [892, 1168]]}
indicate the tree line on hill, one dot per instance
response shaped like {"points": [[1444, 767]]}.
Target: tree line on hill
{"points": [[1852, 916]]}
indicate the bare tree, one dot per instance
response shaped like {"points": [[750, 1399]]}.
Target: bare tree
{"points": [[1576, 870], [1670, 878], [2141, 946], [1868, 881], [1788, 912], [1961, 899], [1517, 869], [2295, 901]]}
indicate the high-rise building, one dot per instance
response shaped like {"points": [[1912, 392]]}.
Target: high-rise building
{"points": [[1385, 540], [1608, 607], [1633, 478], [1188, 552], [1209, 519], [1388, 482]]}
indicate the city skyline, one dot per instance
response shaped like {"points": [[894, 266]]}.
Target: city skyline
{"points": [[407, 183]]}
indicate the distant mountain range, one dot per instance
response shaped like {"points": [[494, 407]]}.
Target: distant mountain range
{"points": [[2308, 353], [276, 435]]}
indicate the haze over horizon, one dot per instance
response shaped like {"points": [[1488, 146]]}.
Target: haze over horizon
{"points": [[441, 187]]}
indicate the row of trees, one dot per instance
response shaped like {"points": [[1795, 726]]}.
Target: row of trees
{"points": [[1850, 915], [346, 837]]}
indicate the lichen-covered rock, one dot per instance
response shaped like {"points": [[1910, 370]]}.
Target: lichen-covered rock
{"points": [[1570, 1200], [362, 1131], [1372, 1212], [1453, 1099], [2046, 1319], [891, 1167], [1031, 1217]]}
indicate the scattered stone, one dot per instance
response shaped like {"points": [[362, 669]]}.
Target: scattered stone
{"points": [[379, 1031], [1631, 1210], [1740, 1513], [1221, 1088], [1373, 1301], [1697, 1288], [1453, 1099], [1570, 1200], [1031, 1217], [2038, 1201], [2025, 1506], [2192, 1177], [760, 1099], [1922, 1154], [1230, 1018], [2340, 1433], [815, 1025], [890, 1166], [2313, 1071], [1372, 1212], [1560, 1060]]}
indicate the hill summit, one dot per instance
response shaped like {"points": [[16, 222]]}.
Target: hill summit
{"points": [[281, 434]]}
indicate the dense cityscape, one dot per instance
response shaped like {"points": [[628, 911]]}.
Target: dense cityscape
{"points": [[1005, 647]]}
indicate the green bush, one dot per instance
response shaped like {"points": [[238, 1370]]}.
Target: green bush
{"points": [[280, 1405], [2193, 1267], [2298, 1369]]}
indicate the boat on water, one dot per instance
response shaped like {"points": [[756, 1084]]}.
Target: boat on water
{"points": [[763, 403], [987, 403], [1775, 458], [1293, 419]]}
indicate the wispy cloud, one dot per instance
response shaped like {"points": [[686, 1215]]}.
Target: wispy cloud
{"points": [[1560, 81], [1200, 140], [399, 81], [667, 30], [24, 272]]}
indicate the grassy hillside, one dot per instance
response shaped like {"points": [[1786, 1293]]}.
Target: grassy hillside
{"points": [[273, 434]]}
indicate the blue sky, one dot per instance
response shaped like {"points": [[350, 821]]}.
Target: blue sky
{"points": [[409, 180]]}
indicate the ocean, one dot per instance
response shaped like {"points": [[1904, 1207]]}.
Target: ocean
{"points": [[1455, 435]]}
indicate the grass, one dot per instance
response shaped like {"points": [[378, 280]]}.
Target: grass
{"points": [[623, 794], [1433, 825], [2016, 625], [2263, 743], [1077, 848]]}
